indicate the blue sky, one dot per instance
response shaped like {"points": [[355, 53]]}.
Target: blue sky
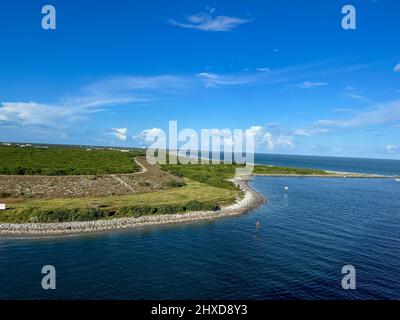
{"points": [[117, 70]]}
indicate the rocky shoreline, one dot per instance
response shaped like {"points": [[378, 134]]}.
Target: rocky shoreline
{"points": [[250, 200]]}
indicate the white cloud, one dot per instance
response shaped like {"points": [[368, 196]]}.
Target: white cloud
{"points": [[269, 140], [145, 137], [274, 142], [125, 90], [382, 114], [30, 113], [308, 132], [309, 85], [396, 68], [128, 83], [54, 115], [215, 80], [350, 93], [263, 139], [154, 132], [357, 97], [120, 133], [263, 69], [391, 147], [342, 110], [206, 21], [168, 83]]}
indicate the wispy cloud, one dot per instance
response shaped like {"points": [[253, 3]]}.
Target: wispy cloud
{"points": [[133, 83], [127, 85], [342, 110], [396, 68], [309, 85], [351, 93], [381, 114], [95, 97], [208, 21], [53, 115], [264, 75], [308, 132], [356, 96], [104, 94], [215, 80]]}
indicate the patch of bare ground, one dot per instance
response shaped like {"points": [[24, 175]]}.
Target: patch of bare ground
{"points": [[151, 178]]}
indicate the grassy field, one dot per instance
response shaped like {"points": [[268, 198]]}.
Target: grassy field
{"points": [[192, 196], [177, 188], [214, 174], [59, 161]]}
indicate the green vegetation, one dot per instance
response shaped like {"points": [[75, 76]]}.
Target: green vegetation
{"points": [[174, 184], [191, 197], [60, 161], [203, 187], [258, 169], [40, 215], [215, 175]]}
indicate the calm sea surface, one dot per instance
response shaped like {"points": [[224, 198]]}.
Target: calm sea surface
{"points": [[307, 235], [374, 166]]}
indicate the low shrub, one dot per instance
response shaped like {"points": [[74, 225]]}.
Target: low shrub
{"points": [[174, 184], [40, 215]]}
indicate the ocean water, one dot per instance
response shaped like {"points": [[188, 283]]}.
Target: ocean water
{"points": [[307, 235], [373, 166]]}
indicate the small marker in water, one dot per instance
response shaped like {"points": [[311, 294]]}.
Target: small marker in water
{"points": [[286, 189], [257, 225]]}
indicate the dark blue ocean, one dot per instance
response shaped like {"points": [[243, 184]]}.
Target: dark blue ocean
{"points": [[385, 167], [307, 235]]}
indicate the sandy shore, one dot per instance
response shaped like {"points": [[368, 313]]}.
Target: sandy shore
{"points": [[250, 200]]}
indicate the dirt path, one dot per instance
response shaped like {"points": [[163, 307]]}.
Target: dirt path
{"points": [[144, 168], [250, 200], [146, 179], [141, 165]]}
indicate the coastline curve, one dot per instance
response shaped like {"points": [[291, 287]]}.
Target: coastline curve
{"points": [[250, 200]]}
